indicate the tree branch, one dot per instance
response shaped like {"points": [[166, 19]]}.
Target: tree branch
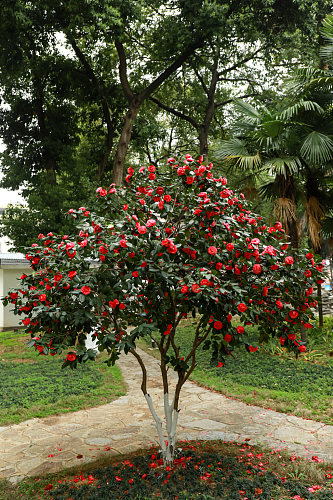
{"points": [[144, 371], [228, 101], [106, 112], [123, 72], [245, 60], [201, 80], [169, 70], [175, 112]]}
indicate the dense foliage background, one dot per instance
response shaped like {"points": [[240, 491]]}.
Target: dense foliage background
{"points": [[89, 87]]}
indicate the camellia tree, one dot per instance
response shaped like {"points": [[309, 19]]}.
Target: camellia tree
{"points": [[148, 255]]}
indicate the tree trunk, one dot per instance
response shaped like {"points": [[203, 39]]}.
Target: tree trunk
{"points": [[203, 141], [320, 307], [293, 233], [171, 417], [119, 160]]}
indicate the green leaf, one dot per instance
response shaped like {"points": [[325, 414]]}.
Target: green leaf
{"points": [[317, 148]]}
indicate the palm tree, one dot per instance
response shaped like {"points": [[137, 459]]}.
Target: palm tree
{"points": [[287, 151]]}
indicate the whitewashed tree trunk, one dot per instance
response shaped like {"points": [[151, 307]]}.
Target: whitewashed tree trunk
{"points": [[167, 442]]}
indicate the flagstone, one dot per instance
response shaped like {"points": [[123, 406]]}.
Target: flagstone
{"points": [[125, 425]]}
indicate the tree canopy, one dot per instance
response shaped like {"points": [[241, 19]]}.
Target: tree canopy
{"points": [[76, 77]]}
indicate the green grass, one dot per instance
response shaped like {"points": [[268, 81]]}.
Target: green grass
{"points": [[269, 379], [205, 470], [36, 386]]}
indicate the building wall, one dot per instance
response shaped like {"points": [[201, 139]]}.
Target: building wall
{"points": [[9, 278]]}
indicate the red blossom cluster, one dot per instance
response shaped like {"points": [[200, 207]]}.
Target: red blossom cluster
{"points": [[150, 253]]}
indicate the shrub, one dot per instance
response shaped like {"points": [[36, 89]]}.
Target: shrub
{"points": [[149, 254]]}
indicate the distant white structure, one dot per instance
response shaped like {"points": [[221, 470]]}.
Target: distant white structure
{"points": [[12, 266]]}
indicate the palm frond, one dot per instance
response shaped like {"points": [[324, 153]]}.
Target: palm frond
{"points": [[269, 190], [282, 165], [306, 77], [234, 151], [299, 107], [326, 51], [321, 82], [243, 107], [317, 148], [250, 162], [327, 225]]}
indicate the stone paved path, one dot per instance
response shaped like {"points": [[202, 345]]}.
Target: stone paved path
{"points": [[48, 444]]}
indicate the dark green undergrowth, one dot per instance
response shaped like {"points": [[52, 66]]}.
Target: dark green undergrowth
{"points": [[205, 470], [36, 386], [269, 377]]}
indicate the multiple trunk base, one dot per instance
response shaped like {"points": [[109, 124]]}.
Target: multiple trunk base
{"points": [[171, 419]]}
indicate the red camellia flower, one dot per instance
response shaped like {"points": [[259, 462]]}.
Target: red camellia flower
{"points": [[85, 290], [227, 337], [292, 336], [185, 289], [289, 260], [219, 266], [257, 268], [241, 307], [282, 340], [308, 325], [135, 274], [13, 295], [252, 348], [230, 246], [218, 325], [302, 348], [113, 303], [103, 250], [240, 329], [309, 255], [195, 288], [151, 222], [212, 250], [71, 356], [71, 274], [279, 304], [293, 314], [42, 297], [26, 321]]}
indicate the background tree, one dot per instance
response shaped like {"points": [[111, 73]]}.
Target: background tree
{"points": [[63, 95], [246, 58]]}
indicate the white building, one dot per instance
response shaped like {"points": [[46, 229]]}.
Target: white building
{"points": [[12, 266]]}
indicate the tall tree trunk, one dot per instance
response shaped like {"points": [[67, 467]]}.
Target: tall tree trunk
{"points": [[293, 233], [124, 140], [320, 306], [203, 141], [135, 100], [103, 100]]}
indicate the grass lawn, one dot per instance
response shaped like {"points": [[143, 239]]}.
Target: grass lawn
{"points": [[269, 377], [36, 386], [205, 470]]}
